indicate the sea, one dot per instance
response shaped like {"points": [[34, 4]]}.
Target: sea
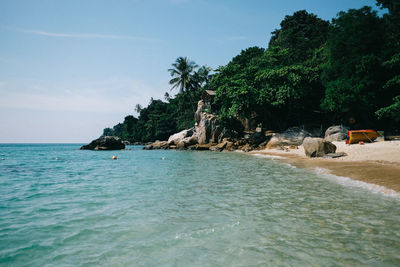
{"points": [[61, 206]]}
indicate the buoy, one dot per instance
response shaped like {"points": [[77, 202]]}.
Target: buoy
{"points": [[114, 157], [163, 158], [56, 158]]}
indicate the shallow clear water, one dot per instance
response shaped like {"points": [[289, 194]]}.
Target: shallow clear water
{"points": [[191, 209]]}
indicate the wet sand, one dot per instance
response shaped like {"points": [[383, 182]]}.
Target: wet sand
{"points": [[376, 163]]}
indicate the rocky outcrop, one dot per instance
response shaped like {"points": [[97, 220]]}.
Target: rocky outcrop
{"points": [[292, 136], [157, 145], [317, 147], [105, 143], [175, 139], [201, 147], [197, 114], [336, 133]]}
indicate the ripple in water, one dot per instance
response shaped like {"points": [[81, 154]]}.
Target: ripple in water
{"points": [[190, 209]]}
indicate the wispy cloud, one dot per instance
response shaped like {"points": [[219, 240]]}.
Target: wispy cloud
{"points": [[81, 35]]}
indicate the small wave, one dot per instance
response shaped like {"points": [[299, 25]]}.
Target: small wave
{"points": [[346, 181], [267, 156]]}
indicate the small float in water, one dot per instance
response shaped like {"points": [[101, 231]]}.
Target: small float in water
{"points": [[361, 136]]}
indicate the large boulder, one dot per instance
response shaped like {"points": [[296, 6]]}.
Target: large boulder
{"points": [[206, 129], [105, 143], [292, 136], [175, 139], [336, 133], [317, 147]]}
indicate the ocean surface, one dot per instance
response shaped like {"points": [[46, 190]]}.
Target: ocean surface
{"points": [[60, 206]]}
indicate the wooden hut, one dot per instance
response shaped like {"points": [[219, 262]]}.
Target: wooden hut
{"points": [[208, 99]]}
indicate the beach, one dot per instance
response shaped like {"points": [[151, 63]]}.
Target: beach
{"points": [[375, 163]]}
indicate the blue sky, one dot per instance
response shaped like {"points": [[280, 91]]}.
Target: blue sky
{"points": [[68, 69]]}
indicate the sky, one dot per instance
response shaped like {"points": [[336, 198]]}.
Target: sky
{"points": [[69, 69]]}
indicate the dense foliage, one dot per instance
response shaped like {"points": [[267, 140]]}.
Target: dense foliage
{"points": [[313, 72]]}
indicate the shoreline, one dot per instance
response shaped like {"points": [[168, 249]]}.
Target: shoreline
{"points": [[375, 163]]}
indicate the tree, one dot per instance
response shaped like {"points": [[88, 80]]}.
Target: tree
{"points": [[138, 108], [391, 88], [353, 74], [182, 73], [300, 33], [201, 77], [108, 132], [234, 84]]}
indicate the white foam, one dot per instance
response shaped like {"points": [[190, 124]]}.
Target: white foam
{"points": [[267, 156], [346, 181]]}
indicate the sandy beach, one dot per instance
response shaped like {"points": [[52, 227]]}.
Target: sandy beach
{"points": [[375, 163]]}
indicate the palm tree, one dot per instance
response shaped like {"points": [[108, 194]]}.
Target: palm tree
{"points": [[202, 76], [182, 73]]}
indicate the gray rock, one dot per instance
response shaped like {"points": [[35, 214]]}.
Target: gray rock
{"points": [[178, 137], [197, 114], [336, 133], [105, 143], [292, 136], [317, 147]]}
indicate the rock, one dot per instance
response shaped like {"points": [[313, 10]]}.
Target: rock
{"points": [[263, 144], [292, 136], [229, 146], [246, 148], [317, 147], [219, 147], [335, 155], [336, 133], [105, 143], [201, 147], [178, 137], [208, 130], [256, 138], [181, 145], [197, 114], [157, 145]]}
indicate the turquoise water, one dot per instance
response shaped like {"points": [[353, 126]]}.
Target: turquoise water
{"points": [[191, 209]]}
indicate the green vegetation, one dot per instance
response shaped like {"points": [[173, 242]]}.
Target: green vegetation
{"points": [[313, 73]]}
